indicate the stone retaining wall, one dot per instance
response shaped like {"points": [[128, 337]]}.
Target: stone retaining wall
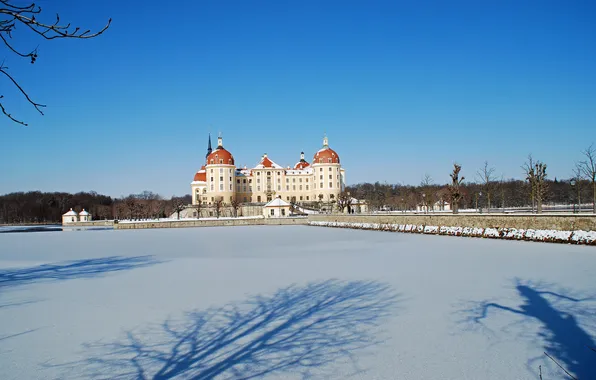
{"points": [[212, 223], [538, 222], [93, 223]]}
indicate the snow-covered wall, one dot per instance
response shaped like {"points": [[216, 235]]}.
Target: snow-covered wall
{"points": [[569, 222], [552, 236]]}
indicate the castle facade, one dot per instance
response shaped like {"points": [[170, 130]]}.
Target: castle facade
{"points": [[220, 180]]}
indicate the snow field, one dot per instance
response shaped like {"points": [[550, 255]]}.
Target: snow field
{"points": [[288, 302]]}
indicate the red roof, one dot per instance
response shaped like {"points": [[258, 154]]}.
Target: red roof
{"points": [[201, 175], [220, 156], [323, 156], [301, 165]]}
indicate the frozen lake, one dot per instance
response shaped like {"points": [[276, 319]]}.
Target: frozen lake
{"points": [[292, 302]]}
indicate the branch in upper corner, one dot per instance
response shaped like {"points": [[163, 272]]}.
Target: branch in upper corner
{"points": [[12, 15]]}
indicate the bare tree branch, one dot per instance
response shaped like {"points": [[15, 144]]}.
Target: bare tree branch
{"points": [[12, 15]]}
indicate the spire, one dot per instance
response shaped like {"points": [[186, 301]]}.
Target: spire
{"points": [[302, 157], [219, 141], [209, 150], [325, 141]]}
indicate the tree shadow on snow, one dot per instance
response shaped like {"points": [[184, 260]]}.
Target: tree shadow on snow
{"points": [[67, 270], [557, 311], [298, 330]]}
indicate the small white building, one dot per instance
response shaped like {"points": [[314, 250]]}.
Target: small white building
{"points": [[439, 205], [276, 208], [70, 217], [84, 216]]}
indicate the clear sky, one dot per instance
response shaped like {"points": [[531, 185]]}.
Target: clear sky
{"points": [[402, 88]]}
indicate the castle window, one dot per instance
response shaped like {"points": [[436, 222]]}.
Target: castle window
{"points": [[237, 181], [229, 161], [321, 185], [329, 160], [258, 188], [230, 187], [211, 179], [300, 180], [258, 173], [268, 173], [287, 180], [307, 197], [287, 187], [244, 180], [220, 179], [205, 191], [220, 161], [301, 187], [258, 180], [307, 180], [301, 197], [212, 170], [211, 187], [330, 185], [221, 187], [230, 179], [321, 176], [278, 187], [294, 180], [211, 162], [330, 176], [321, 161], [320, 169], [306, 187]]}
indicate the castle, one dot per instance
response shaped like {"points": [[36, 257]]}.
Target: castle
{"points": [[219, 180]]}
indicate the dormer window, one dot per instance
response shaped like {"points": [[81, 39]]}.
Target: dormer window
{"points": [[329, 160], [320, 160], [221, 161], [211, 162]]}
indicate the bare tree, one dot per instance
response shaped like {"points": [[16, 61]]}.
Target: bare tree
{"points": [[344, 202], [536, 175], [235, 206], [198, 206], [428, 194], [218, 204], [454, 188], [588, 168], [528, 168], [177, 206], [486, 177], [26, 16], [576, 184]]}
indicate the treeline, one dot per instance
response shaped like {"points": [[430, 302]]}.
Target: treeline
{"points": [[41, 207], [503, 194], [485, 190]]}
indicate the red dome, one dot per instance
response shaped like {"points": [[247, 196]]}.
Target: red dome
{"points": [[326, 156], [201, 175], [220, 156], [301, 165]]}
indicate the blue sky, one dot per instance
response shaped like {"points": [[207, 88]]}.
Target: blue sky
{"points": [[409, 87]]}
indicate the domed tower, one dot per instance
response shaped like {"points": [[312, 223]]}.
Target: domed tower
{"points": [[220, 173], [328, 176]]}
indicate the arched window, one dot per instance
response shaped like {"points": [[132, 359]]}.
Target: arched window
{"points": [[329, 160], [321, 160]]}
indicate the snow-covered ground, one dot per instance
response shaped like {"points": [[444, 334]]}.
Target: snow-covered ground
{"points": [[292, 301]]}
